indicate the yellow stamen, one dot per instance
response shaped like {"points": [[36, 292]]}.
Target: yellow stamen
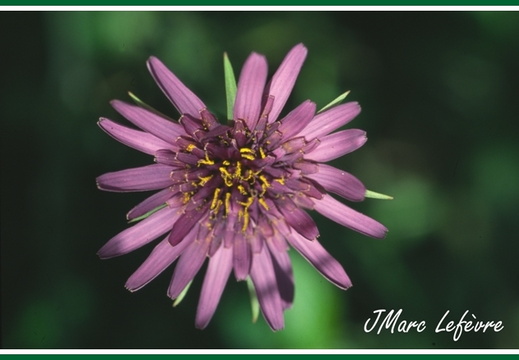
{"points": [[190, 147], [263, 203], [247, 153], [186, 197], [246, 150], [262, 153], [245, 221], [248, 175], [204, 180], [247, 204], [227, 203], [280, 180], [248, 156], [264, 181], [215, 198], [237, 173], [226, 175], [242, 190], [206, 161]]}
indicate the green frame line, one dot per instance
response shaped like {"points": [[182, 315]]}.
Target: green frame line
{"points": [[262, 356], [273, 3]]}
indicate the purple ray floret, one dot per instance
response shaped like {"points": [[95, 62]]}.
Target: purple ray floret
{"points": [[237, 194]]}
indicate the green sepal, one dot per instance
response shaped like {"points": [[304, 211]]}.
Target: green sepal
{"points": [[182, 294], [147, 214], [335, 101], [230, 86], [146, 106], [375, 195], [254, 303]]}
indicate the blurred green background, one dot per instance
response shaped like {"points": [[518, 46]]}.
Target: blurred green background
{"points": [[439, 92]]}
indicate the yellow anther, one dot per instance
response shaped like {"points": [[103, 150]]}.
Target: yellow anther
{"points": [[215, 198], [280, 180], [224, 172], [248, 175], [247, 153], [247, 204], [219, 204], [190, 147], [248, 156], [262, 153], [263, 203], [245, 217], [226, 162], [226, 176], [237, 173], [204, 180], [245, 221], [242, 190], [264, 181], [186, 198], [227, 203], [206, 160]]}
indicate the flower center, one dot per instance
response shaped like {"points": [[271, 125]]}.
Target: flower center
{"points": [[245, 186]]}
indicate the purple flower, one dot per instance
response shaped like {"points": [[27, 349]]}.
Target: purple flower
{"points": [[237, 193]]}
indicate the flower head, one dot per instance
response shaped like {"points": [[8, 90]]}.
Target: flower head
{"points": [[237, 193]]}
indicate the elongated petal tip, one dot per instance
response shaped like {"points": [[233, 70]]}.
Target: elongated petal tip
{"points": [[182, 98], [284, 79], [251, 85], [323, 262], [342, 214]]}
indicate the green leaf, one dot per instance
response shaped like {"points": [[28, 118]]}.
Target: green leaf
{"points": [[182, 294], [254, 303], [147, 214], [336, 101], [146, 106], [375, 195], [230, 85]]}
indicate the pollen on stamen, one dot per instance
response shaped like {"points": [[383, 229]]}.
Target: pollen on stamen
{"points": [[205, 161], [215, 198], [263, 203], [227, 203], [205, 179]]}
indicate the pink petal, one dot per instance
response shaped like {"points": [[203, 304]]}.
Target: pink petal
{"points": [[251, 84], [182, 98], [337, 144], [267, 290], [316, 255], [216, 276], [341, 214], [162, 256], [150, 203], [241, 256], [284, 276], [339, 182], [140, 234], [188, 265], [149, 177], [185, 224], [299, 220], [297, 119], [284, 79], [330, 120], [139, 140], [154, 124]]}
